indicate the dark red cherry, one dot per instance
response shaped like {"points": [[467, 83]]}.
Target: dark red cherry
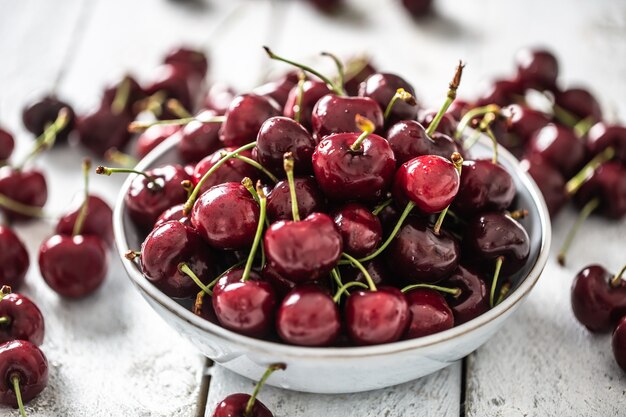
{"points": [[13, 259], [7, 143], [336, 114], [133, 90], [102, 129], [21, 319], [153, 137], [603, 135], [244, 118], [165, 248], [27, 187], [485, 186], [474, 298], [24, 361], [73, 266], [382, 87], [429, 181], [345, 174], [327, 6], [559, 146], [233, 170], [429, 313], [218, 97], [524, 121], [190, 59], [175, 82], [278, 90], [418, 255], [447, 125], [580, 102], [303, 251], [226, 216], [376, 268], [308, 195], [550, 182], [235, 404], [608, 184], [618, 342], [98, 222], [147, 199], [281, 285], [408, 140], [312, 92], [537, 68], [357, 71], [173, 213], [198, 139], [501, 92], [418, 8], [376, 317], [308, 316], [598, 301], [279, 135], [360, 230], [42, 112]]}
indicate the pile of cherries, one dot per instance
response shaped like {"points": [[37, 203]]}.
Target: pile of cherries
{"points": [[416, 8]]}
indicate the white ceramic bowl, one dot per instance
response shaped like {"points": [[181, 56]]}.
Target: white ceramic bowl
{"points": [[349, 369]]}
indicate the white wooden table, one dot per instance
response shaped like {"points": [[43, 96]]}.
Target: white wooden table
{"points": [[110, 355]]}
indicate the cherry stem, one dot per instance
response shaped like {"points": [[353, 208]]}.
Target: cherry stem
{"points": [[153, 103], [288, 164], [108, 171], [301, 80], [4, 291], [343, 289], [457, 160], [454, 85], [131, 255], [484, 127], [216, 279], [471, 114], [21, 208], [340, 69], [564, 116], [355, 66], [506, 288], [381, 206], [258, 166], [15, 380], [494, 281], [337, 277], [122, 93], [258, 234], [250, 405], [187, 186], [585, 212], [354, 262], [574, 184], [336, 89], [177, 108], [196, 191], [138, 126], [401, 94], [5, 321], [84, 208], [366, 127], [120, 158], [184, 268], [247, 183], [583, 126], [615, 281], [197, 304], [454, 291], [518, 214], [48, 137]]}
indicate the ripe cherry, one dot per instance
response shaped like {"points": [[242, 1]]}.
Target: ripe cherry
{"points": [[278, 90], [23, 373], [20, 318], [606, 185], [473, 299], [357, 70], [408, 139], [13, 258], [104, 129], [558, 146], [232, 170], [7, 144], [429, 313], [580, 103], [376, 268], [173, 82], [173, 213], [123, 95], [360, 230], [618, 343], [25, 187], [382, 87], [308, 195], [39, 114], [524, 121], [218, 97], [537, 68], [153, 137], [550, 182], [302, 99], [192, 60], [447, 124], [501, 92], [418, 8], [198, 139], [602, 136], [244, 118]]}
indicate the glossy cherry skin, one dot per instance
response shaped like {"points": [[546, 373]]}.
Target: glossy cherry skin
{"points": [[26, 187], [485, 186], [26, 321], [363, 69], [382, 87], [218, 97], [537, 68], [360, 230], [245, 116], [192, 60], [246, 307], [309, 196], [198, 139], [492, 235], [312, 92], [145, 201], [376, 268], [524, 121], [603, 135], [408, 140], [429, 181], [98, 222], [550, 182], [153, 137], [595, 302], [7, 144], [376, 317], [278, 90], [447, 125], [501, 92], [580, 102], [618, 342], [474, 298], [26, 361], [558, 146], [418, 8], [417, 255], [226, 216], [308, 316], [14, 260], [429, 313], [362, 175], [303, 251], [335, 114], [281, 285], [279, 135], [173, 213], [233, 170], [73, 266], [235, 404], [608, 183], [44, 111], [101, 130]]}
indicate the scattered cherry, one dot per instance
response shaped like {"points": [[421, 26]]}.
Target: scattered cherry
{"points": [[619, 343], [558, 146], [23, 373], [7, 143], [602, 136], [20, 318], [13, 259], [42, 112], [537, 68]]}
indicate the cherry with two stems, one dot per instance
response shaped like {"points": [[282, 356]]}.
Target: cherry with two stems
{"points": [[14, 260], [20, 318]]}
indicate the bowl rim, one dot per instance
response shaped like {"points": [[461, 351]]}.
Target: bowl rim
{"points": [[292, 351]]}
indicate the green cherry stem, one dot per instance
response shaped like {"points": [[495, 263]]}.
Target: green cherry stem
{"points": [[453, 291], [354, 262], [344, 289], [250, 405], [340, 70], [258, 166], [258, 234], [15, 380], [288, 164], [615, 281], [337, 277], [494, 281], [574, 184], [377, 210], [4, 291], [108, 171], [47, 139], [177, 108], [84, 208], [454, 85], [582, 127], [401, 94], [470, 115], [122, 93], [138, 126], [22, 208], [5, 321], [247, 183], [184, 268], [457, 160], [585, 212], [366, 127], [564, 116], [504, 290], [301, 80]]}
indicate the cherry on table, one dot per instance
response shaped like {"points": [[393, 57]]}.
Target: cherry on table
{"points": [[40, 113], [26, 187], [122, 96], [473, 299], [14, 260], [23, 373], [537, 68], [580, 103], [559, 146], [307, 95], [360, 230], [606, 186], [603, 135], [20, 318], [98, 220], [244, 118], [429, 313], [418, 8], [193, 60], [102, 129], [7, 144], [618, 342], [173, 82], [550, 182]]}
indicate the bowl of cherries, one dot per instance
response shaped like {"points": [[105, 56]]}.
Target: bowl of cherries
{"points": [[351, 237]]}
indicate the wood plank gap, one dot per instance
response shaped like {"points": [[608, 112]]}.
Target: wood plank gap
{"points": [[203, 391], [462, 407]]}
